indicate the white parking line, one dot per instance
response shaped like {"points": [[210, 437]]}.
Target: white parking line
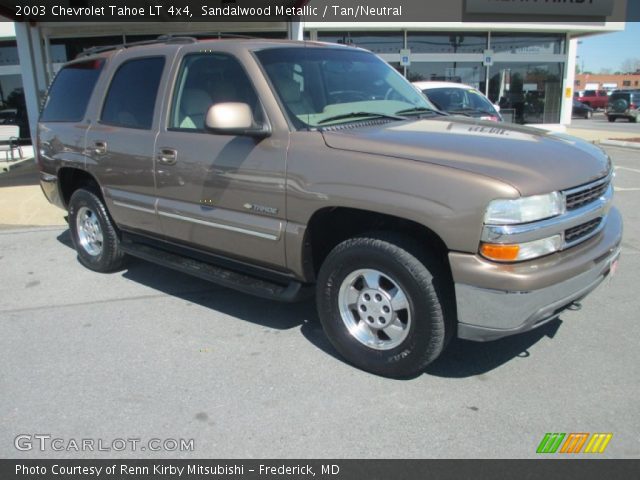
{"points": [[626, 189]]}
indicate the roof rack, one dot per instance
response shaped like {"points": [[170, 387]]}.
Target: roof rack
{"points": [[168, 38], [161, 39], [220, 35]]}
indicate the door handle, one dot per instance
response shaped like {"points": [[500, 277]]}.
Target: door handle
{"points": [[100, 147], [168, 156]]}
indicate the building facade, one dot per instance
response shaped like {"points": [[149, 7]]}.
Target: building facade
{"points": [[591, 81], [527, 68]]}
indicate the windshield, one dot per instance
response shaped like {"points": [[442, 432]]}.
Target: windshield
{"points": [[455, 99], [328, 86]]}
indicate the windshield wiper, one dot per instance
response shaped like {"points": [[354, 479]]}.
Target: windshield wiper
{"points": [[463, 111], [344, 116], [419, 110]]}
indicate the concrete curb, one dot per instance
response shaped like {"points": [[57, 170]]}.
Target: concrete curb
{"points": [[8, 166], [621, 143]]}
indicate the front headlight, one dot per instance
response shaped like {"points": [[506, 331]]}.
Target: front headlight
{"points": [[525, 209]]}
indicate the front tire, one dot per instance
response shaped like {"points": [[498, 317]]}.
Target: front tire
{"points": [[93, 233], [380, 302]]}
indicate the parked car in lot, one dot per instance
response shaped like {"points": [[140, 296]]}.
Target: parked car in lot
{"points": [[460, 99], [581, 110], [624, 104], [284, 169], [596, 99]]}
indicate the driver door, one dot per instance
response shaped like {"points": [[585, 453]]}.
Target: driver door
{"points": [[221, 193]]}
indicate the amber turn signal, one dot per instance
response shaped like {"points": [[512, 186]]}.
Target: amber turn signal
{"points": [[499, 252]]}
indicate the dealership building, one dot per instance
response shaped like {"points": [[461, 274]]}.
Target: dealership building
{"points": [[527, 67]]}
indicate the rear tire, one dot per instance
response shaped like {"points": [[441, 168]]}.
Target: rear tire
{"points": [[93, 233], [611, 119], [381, 301]]}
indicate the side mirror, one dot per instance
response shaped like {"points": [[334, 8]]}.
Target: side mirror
{"points": [[234, 118], [497, 107]]}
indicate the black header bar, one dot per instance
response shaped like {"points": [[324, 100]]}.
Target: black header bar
{"points": [[577, 469], [404, 11]]}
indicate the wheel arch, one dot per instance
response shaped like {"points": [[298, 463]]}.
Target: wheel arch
{"points": [[71, 179], [329, 226]]}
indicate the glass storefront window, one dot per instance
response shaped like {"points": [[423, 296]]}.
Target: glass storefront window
{"points": [[527, 92], [9, 54], [377, 42], [470, 73], [13, 109], [455, 42], [531, 43]]}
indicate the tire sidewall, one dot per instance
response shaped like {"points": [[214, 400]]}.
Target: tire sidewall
{"points": [[418, 347]]}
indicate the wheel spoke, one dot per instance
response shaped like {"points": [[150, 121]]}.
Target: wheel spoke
{"points": [[399, 300], [352, 296], [371, 333], [395, 330], [372, 279]]}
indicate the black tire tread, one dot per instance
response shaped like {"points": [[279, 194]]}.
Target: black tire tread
{"points": [[423, 266], [112, 257]]}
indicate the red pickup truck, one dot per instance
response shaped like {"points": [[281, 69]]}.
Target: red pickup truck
{"points": [[594, 98]]}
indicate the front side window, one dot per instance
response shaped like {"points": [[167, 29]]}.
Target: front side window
{"points": [[70, 92], [131, 98], [327, 86], [207, 79]]}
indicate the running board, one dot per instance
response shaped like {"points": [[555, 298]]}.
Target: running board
{"points": [[292, 291]]}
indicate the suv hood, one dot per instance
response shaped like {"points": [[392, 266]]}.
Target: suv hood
{"points": [[533, 161]]}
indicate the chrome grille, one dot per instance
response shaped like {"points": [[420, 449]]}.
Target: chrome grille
{"points": [[581, 232], [581, 196]]}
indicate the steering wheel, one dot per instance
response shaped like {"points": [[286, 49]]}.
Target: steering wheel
{"points": [[392, 94]]}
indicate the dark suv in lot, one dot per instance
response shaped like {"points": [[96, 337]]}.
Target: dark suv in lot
{"points": [[286, 168], [624, 104]]}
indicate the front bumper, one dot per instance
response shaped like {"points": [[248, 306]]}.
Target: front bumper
{"points": [[497, 300]]}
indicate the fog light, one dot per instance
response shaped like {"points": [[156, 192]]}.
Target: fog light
{"points": [[500, 252]]}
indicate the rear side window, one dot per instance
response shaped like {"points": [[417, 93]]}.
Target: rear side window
{"points": [[132, 94], [70, 92]]}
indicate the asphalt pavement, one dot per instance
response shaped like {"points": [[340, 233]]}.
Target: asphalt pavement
{"points": [[148, 353]]}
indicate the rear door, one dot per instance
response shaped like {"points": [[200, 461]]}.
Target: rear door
{"points": [[120, 144], [222, 193]]}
